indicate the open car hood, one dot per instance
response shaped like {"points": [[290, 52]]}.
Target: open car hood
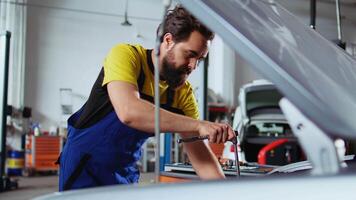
{"points": [[314, 74]]}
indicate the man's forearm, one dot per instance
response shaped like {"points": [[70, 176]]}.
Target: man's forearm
{"points": [[142, 118], [203, 160], [139, 114]]}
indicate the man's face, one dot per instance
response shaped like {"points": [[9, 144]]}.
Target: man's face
{"points": [[182, 58]]}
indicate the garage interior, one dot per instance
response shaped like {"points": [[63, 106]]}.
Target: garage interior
{"points": [[54, 51]]}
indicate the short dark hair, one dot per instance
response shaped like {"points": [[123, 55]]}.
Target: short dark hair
{"points": [[180, 23]]}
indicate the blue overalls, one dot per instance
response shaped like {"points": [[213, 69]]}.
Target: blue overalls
{"points": [[104, 153]]}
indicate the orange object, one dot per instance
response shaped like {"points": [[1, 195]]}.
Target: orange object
{"points": [[42, 152], [170, 179], [217, 149], [263, 152]]}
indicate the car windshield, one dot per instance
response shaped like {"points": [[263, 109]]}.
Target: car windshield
{"points": [[262, 99]]}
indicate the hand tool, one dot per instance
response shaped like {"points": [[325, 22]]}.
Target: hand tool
{"points": [[193, 139]]}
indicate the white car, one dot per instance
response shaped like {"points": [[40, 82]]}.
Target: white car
{"points": [[265, 136]]}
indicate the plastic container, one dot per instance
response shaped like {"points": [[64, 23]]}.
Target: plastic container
{"points": [[15, 163]]}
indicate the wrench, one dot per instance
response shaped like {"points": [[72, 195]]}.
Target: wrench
{"points": [[193, 139]]}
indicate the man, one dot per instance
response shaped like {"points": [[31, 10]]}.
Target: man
{"points": [[105, 136]]}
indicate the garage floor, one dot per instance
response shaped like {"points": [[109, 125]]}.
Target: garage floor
{"points": [[30, 187]]}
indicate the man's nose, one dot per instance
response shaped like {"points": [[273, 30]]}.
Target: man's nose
{"points": [[193, 63]]}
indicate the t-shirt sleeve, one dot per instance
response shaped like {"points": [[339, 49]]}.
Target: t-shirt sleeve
{"points": [[121, 64], [189, 104]]}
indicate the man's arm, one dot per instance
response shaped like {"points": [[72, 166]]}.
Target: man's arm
{"points": [[203, 160], [139, 114]]}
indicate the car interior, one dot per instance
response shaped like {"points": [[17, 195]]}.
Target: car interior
{"points": [[273, 142]]}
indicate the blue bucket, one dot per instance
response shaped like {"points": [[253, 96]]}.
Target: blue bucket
{"points": [[15, 163]]}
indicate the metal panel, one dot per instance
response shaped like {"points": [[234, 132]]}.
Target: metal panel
{"points": [[314, 74], [316, 188]]}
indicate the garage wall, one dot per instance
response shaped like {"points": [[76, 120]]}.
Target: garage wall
{"points": [[65, 47]]}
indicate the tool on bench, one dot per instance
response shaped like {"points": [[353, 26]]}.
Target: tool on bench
{"points": [[234, 141]]}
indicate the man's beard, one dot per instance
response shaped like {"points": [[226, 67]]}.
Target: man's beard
{"points": [[175, 77]]}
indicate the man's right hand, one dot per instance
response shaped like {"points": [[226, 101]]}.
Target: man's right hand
{"points": [[217, 132]]}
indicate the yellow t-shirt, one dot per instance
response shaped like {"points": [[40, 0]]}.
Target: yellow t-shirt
{"points": [[124, 62]]}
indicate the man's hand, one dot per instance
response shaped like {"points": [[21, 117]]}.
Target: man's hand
{"points": [[217, 132]]}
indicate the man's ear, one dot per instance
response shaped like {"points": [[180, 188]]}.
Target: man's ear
{"points": [[168, 41]]}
